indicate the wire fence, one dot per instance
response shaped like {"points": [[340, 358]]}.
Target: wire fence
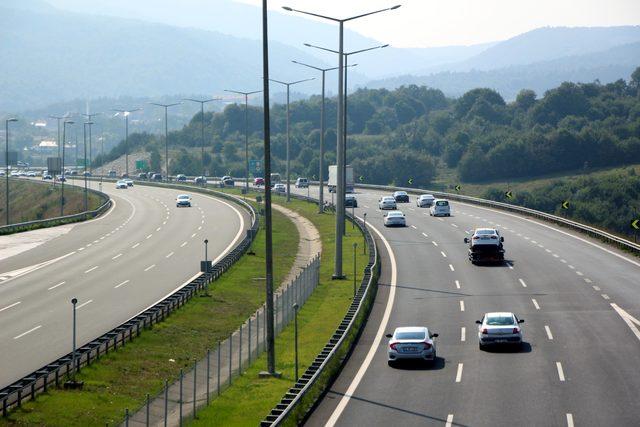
{"points": [[227, 359]]}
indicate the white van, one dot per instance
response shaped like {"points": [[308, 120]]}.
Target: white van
{"points": [[440, 208], [302, 183]]}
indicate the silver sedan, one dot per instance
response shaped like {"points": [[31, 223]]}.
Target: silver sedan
{"points": [[387, 202], [395, 219], [499, 328], [411, 342]]}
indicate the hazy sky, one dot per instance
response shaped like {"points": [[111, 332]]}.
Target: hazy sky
{"points": [[427, 23]]}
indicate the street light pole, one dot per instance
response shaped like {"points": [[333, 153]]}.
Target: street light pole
{"points": [[58, 118], [340, 191], [246, 132], [6, 158], [166, 134], [202, 102], [288, 85], [84, 145], [63, 176], [126, 114], [90, 117]]}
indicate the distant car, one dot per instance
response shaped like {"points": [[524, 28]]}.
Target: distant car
{"points": [[440, 208], [112, 173], [181, 178], [86, 173], [387, 202], [200, 180], [156, 177], [121, 184], [227, 181], [61, 178], [350, 201], [73, 172], [411, 342], [485, 245], [142, 175], [258, 182], [401, 197], [395, 219], [425, 200], [302, 183], [124, 175], [47, 176], [499, 328], [129, 182], [31, 174], [183, 200], [279, 188]]}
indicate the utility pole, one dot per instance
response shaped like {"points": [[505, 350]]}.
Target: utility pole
{"points": [[90, 117]]}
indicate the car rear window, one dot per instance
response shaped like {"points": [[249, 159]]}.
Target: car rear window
{"points": [[442, 203], [410, 336], [499, 320], [485, 232]]}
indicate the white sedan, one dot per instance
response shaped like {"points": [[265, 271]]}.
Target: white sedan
{"points": [[387, 202], [395, 219], [499, 328], [411, 342], [121, 185]]}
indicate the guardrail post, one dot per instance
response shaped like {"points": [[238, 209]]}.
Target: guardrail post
{"points": [[218, 369], [208, 373], [146, 422], [126, 417], [180, 399]]}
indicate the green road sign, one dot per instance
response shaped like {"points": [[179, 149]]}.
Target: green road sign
{"points": [[410, 181], [509, 194], [457, 187], [565, 204], [80, 162], [141, 164], [636, 224], [255, 167]]}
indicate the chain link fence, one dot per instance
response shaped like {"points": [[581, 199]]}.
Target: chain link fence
{"points": [[211, 375]]}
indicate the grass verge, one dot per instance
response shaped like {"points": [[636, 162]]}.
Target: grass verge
{"points": [[121, 379], [250, 398]]}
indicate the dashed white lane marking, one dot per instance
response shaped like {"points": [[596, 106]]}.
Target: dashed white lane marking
{"points": [[519, 234], [524, 285], [434, 243], [183, 244], [548, 250], [169, 255], [579, 273], [200, 228], [569, 420], [365, 206], [149, 236], [425, 234], [526, 238], [159, 228], [549, 335], [54, 286], [89, 245], [414, 227], [121, 284], [461, 305], [451, 267], [102, 238], [466, 232], [535, 303], [83, 304], [117, 256], [571, 267], [440, 219], [80, 249], [564, 261], [9, 306], [449, 422], [91, 269], [28, 332], [193, 235], [596, 288], [540, 246], [510, 266], [443, 254], [164, 222], [411, 209], [459, 373], [135, 246], [556, 256], [586, 279], [463, 333], [605, 296], [453, 225], [560, 371], [150, 267], [458, 284]]}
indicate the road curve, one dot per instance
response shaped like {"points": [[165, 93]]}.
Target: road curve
{"points": [[116, 266], [579, 297]]}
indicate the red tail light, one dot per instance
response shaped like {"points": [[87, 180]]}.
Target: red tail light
{"points": [[427, 346], [485, 331], [516, 330], [393, 346]]}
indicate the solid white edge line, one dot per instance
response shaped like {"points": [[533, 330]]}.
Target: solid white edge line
{"points": [[560, 371], [9, 306], [459, 372], [28, 332], [548, 330], [449, 420], [376, 342]]}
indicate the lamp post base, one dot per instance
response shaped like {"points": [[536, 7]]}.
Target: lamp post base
{"points": [[335, 277], [267, 374]]}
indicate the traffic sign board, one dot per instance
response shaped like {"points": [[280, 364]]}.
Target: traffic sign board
{"points": [[255, 167]]}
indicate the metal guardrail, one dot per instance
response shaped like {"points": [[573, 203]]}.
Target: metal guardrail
{"points": [[298, 400], [40, 380], [50, 222], [591, 231]]}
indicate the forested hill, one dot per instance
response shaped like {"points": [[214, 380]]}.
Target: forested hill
{"points": [[409, 132]]}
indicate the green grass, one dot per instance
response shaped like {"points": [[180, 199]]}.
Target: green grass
{"points": [[121, 379], [250, 398], [31, 201]]}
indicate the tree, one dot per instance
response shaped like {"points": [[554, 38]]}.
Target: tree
{"points": [[526, 99], [635, 81]]}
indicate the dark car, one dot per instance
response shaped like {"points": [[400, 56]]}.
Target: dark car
{"points": [[401, 197], [181, 178], [229, 182], [258, 182], [142, 175], [47, 176], [350, 201], [86, 173], [124, 175], [200, 180], [156, 177]]}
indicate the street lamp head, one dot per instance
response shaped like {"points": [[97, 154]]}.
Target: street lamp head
{"points": [[296, 306], [12, 119], [74, 301], [206, 241], [89, 123], [287, 8], [69, 122], [395, 7]]}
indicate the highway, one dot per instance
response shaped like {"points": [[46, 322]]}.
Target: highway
{"points": [[117, 265], [580, 300]]}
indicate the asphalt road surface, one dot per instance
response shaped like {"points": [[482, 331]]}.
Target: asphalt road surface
{"points": [[580, 300], [116, 266]]}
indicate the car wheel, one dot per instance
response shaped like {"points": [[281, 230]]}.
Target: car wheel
{"points": [[391, 363], [481, 346]]}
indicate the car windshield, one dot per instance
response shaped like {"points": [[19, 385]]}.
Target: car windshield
{"points": [[442, 203], [426, 197], [401, 193], [395, 214], [499, 320], [183, 197], [410, 336]]}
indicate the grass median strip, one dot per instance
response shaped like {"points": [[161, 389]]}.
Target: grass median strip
{"points": [[250, 398], [121, 379]]}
